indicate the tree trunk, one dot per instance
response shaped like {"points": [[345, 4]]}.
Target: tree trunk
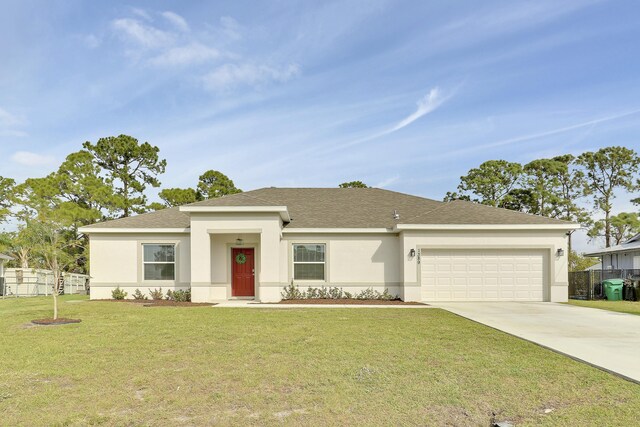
{"points": [[55, 303], [607, 229], [56, 289], [125, 187], [24, 258]]}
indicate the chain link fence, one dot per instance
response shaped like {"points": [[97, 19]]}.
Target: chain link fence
{"points": [[587, 285]]}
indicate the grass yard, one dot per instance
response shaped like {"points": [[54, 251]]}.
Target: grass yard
{"points": [[131, 365], [631, 307]]}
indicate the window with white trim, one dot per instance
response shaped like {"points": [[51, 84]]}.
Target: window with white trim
{"points": [[308, 261], [159, 261]]}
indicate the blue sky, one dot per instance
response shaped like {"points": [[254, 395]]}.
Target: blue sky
{"points": [[402, 95]]}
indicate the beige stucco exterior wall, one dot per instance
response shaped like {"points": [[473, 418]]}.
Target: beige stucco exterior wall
{"points": [[116, 260], [549, 241], [354, 261], [213, 235]]}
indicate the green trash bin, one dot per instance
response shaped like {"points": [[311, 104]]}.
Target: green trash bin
{"points": [[613, 289]]}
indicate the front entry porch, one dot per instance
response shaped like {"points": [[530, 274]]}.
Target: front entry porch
{"points": [[229, 262]]}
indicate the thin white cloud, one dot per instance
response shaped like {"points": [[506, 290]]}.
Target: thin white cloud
{"points": [[169, 42], [229, 76], [426, 105], [27, 158], [433, 100], [142, 14], [139, 33], [194, 53], [8, 119], [231, 28], [176, 20], [387, 182], [528, 137], [486, 22], [14, 133], [91, 41]]}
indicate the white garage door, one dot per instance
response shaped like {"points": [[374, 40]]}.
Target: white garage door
{"points": [[482, 275]]}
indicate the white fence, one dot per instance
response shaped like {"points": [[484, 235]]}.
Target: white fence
{"points": [[23, 282]]}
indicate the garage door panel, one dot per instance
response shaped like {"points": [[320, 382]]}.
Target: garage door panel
{"points": [[460, 281], [491, 267], [483, 275]]}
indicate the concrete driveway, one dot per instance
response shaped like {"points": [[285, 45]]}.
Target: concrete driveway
{"points": [[602, 338]]}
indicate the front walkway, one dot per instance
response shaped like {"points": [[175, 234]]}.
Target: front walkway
{"points": [[605, 339], [254, 304]]}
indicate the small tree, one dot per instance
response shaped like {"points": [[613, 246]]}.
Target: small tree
{"points": [[178, 196], [571, 181], [130, 166], [542, 179], [50, 246], [214, 184], [607, 170], [7, 188], [353, 184], [578, 262], [623, 226], [492, 181]]}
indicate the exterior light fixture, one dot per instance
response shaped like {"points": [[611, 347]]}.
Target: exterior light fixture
{"points": [[412, 253], [560, 252], [239, 241]]}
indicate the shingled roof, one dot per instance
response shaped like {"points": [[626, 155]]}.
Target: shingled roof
{"points": [[343, 208], [165, 218]]}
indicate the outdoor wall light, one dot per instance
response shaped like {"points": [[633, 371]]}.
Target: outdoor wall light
{"points": [[560, 252], [239, 241], [412, 253]]}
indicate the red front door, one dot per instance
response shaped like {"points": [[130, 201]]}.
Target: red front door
{"points": [[242, 272]]}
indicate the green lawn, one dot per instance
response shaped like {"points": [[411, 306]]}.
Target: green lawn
{"points": [[631, 307], [131, 365]]}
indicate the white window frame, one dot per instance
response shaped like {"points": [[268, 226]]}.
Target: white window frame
{"points": [[144, 263], [294, 262]]}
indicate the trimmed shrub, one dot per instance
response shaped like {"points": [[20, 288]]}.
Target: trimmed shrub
{"points": [[182, 296], [156, 294], [118, 293], [370, 294], [139, 295], [292, 292], [179, 295]]}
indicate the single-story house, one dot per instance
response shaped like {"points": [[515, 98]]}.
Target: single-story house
{"points": [[597, 266], [253, 244], [625, 256]]}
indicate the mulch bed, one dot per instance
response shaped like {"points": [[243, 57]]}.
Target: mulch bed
{"points": [[58, 321], [159, 302], [349, 301]]}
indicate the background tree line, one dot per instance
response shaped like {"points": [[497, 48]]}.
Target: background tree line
{"points": [[105, 180], [109, 179], [573, 188]]}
